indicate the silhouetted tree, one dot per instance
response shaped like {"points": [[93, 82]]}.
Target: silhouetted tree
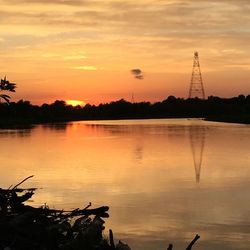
{"points": [[5, 85]]}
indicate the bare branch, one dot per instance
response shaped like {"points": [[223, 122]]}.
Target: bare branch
{"points": [[193, 242], [22, 182]]}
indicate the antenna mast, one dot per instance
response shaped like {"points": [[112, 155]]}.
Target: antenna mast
{"points": [[196, 84], [132, 98]]}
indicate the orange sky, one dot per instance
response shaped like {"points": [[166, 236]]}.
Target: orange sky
{"points": [[85, 49]]}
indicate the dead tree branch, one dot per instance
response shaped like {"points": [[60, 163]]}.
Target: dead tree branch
{"points": [[193, 242]]}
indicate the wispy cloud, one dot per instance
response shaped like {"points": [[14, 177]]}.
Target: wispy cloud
{"points": [[74, 57], [64, 57], [64, 2], [91, 68]]}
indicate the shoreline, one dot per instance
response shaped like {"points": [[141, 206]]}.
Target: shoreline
{"points": [[231, 110], [29, 123], [240, 119]]}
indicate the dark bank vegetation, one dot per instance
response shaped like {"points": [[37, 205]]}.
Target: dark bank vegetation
{"points": [[23, 227], [236, 109]]}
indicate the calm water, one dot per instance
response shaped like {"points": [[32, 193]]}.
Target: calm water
{"points": [[164, 180]]}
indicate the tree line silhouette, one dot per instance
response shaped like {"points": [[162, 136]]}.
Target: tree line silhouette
{"points": [[235, 109]]}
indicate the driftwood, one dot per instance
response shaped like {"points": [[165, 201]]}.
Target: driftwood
{"points": [[25, 227]]}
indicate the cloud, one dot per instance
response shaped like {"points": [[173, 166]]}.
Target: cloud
{"points": [[127, 18], [91, 68], [160, 33], [64, 2], [137, 73], [74, 57]]}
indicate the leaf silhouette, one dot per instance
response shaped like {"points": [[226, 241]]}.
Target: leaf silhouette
{"points": [[5, 85], [5, 97]]}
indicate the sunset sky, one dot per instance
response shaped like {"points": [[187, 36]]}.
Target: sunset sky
{"points": [[85, 49]]}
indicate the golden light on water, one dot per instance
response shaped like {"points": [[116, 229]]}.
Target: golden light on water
{"points": [[75, 103]]}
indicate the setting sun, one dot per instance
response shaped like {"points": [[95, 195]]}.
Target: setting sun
{"points": [[75, 103]]}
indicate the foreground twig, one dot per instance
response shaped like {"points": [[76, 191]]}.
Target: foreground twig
{"points": [[189, 247], [193, 242], [22, 182]]}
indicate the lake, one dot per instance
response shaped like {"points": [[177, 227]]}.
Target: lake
{"points": [[165, 180]]}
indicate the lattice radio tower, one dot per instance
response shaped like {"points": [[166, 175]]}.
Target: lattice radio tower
{"points": [[196, 84]]}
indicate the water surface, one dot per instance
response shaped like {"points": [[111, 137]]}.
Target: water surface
{"points": [[164, 180]]}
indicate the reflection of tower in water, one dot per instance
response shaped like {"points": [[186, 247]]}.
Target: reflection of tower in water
{"points": [[197, 136]]}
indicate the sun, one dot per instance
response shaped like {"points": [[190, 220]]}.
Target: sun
{"points": [[75, 103]]}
